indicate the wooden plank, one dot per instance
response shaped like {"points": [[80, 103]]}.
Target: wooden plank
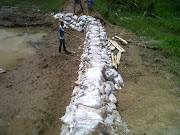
{"points": [[124, 41], [117, 46], [118, 57], [109, 43], [122, 49], [115, 60]]}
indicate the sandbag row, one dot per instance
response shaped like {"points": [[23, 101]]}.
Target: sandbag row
{"points": [[92, 108], [72, 21]]}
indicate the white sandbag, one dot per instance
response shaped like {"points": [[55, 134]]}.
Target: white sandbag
{"points": [[80, 29], [95, 39], [110, 74], [74, 23], [101, 127], [68, 19], [81, 23], [76, 90], [112, 98], [83, 18], [94, 32], [90, 19], [71, 22], [86, 114], [112, 105], [58, 16], [94, 73], [97, 63], [101, 89], [81, 131], [73, 27], [64, 130], [94, 92], [109, 109], [108, 89], [119, 81], [95, 43], [91, 112], [105, 56], [2, 71], [88, 123], [111, 84], [69, 15], [66, 23], [117, 87], [112, 48], [68, 117], [75, 17], [109, 120], [90, 101], [77, 24]]}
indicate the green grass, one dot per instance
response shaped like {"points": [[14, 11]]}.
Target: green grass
{"points": [[166, 31], [45, 5]]}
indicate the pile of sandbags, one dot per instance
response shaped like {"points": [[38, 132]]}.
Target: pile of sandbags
{"points": [[72, 21], [93, 104]]}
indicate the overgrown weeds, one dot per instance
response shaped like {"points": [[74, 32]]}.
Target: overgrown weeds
{"points": [[165, 29]]}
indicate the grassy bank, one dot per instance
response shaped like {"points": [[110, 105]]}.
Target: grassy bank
{"points": [[45, 5], [165, 31]]}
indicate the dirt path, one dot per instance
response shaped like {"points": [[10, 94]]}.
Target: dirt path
{"points": [[149, 102], [34, 95]]}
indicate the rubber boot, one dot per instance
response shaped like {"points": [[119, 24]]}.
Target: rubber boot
{"points": [[59, 49]]}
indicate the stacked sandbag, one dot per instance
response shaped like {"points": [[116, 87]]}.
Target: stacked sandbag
{"points": [[93, 105], [72, 21]]}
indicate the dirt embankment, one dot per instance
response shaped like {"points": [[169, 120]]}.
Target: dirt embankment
{"points": [[34, 95]]}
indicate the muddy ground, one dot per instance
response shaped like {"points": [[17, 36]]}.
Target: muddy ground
{"points": [[35, 94]]}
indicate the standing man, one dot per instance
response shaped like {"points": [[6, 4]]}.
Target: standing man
{"points": [[62, 37], [90, 4], [79, 3]]}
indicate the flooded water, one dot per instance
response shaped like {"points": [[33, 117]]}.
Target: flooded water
{"points": [[18, 44]]}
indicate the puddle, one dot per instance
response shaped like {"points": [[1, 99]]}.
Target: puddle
{"points": [[19, 126], [17, 44]]}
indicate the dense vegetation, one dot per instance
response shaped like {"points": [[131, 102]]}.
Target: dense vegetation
{"points": [[163, 27]]}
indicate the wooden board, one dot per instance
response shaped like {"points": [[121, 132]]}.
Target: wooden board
{"points": [[115, 61], [109, 43], [118, 57], [124, 41], [117, 46]]}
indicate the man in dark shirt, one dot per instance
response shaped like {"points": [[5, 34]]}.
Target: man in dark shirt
{"points": [[62, 37]]}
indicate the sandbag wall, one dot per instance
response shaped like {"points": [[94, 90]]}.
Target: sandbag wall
{"points": [[93, 105]]}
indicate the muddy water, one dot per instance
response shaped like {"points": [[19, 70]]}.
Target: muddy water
{"points": [[18, 44]]}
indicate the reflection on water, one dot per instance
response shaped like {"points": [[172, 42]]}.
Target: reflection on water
{"points": [[16, 45]]}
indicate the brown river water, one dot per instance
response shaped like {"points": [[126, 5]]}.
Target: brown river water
{"points": [[16, 44]]}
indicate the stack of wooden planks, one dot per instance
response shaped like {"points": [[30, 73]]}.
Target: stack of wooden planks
{"points": [[116, 58]]}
